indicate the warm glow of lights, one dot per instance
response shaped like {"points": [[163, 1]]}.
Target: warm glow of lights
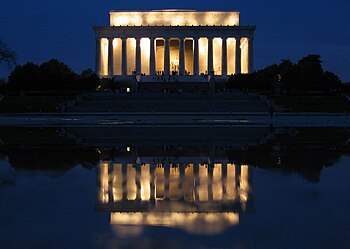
{"points": [[117, 182], [189, 44], [131, 182], [131, 55], [103, 195], [174, 55], [174, 18], [104, 57], [159, 45], [117, 56], [145, 55], [217, 56], [203, 55], [145, 182], [231, 56], [244, 56], [128, 148]]}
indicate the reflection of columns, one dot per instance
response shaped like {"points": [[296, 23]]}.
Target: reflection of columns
{"points": [[244, 183], [110, 57], [124, 62], [251, 55], [210, 55], [224, 57], [159, 182], [117, 182], [196, 57], [217, 188], [203, 194], [152, 57], [231, 182], [138, 56], [98, 56], [174, 182], [131, 182], [188, 183], [182, 56], [104, 195], [166, 56], [238, 55], [145, 182]]}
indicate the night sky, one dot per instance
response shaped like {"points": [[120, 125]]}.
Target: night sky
{"points": [[39, 30]]}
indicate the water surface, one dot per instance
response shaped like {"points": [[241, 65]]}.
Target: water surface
{"points": [[105, 187]]}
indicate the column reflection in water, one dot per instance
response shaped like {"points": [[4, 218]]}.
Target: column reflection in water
{"points": [[131, 182], [190, 201], [231, 191], [217, 182], [117, 182], [145, 182], [202, 189], [103, 194], [244, 184], [159, 182], [188, 184], [174, 182]]}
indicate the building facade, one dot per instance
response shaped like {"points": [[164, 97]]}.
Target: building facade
{"points": [[189, 45]]}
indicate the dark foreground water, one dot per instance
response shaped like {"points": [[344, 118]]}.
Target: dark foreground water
{"points": [[180, 187]]}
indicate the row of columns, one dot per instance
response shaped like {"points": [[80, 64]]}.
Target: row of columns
{"points": [[181, 55]]}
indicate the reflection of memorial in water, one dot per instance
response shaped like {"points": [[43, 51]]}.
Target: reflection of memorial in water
{"points": [[200, 198]]}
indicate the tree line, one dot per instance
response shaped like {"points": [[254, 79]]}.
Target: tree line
{"points": [[50, 76], [306, 75]]}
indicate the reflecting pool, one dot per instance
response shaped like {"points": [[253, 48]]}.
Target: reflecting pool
{"points": [[174, 187]]}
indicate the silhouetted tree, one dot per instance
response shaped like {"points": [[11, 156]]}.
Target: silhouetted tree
{"points": [[55, 75], [310, 73], [49, 76], [25, 77], [7, 56]]}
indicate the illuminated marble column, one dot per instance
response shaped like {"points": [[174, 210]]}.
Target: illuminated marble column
{"points": [[224, 57], [166, 56], [210, 55], [98, 56], [152, 57], [124, 63], [238, 55], [138, 56], [196, 57], [251, 55], [110, 57], [182, 56]]}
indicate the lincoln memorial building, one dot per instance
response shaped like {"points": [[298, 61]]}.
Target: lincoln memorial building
{"points": [[186, 45]]}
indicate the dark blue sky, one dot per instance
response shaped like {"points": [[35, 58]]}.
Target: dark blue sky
{"points": [[39, 30]]}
